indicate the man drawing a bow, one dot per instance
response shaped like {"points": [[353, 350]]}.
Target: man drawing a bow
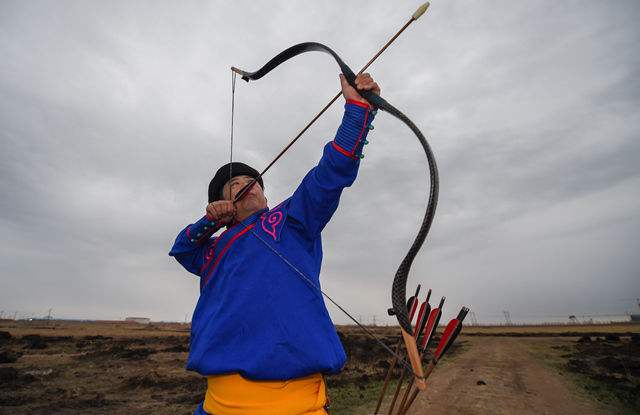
{"points": [[261, 334]]}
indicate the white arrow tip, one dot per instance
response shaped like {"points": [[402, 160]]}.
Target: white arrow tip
{"points": [[420, 11]]}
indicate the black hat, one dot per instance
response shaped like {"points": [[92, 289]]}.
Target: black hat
{"points": [[222, 176]]}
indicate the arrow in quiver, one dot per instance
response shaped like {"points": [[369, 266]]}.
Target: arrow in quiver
{"points": [[413, 300], [448, 337]]}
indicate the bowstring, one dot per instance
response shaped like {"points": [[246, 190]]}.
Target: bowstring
{"points": [[233, 110], [307, 280], [301, 274]]}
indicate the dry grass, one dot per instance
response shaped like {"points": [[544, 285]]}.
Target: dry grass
{"points": [[122, 329], [115, 367], [93, 328], [556, 329]]}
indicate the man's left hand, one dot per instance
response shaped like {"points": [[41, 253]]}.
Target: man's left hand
{"points": [[363, 82]]}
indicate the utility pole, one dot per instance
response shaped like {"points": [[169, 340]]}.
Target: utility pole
{"points": [[474, 318], [49, 314], [374, 320], [507, 317]]}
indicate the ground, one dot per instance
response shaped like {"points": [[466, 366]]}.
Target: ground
{"points": [[538, 371], [117, 368], [500, 375]]}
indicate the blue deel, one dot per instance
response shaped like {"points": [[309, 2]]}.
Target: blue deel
{"points": [[256, 316]]}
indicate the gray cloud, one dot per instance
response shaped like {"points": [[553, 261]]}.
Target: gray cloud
{"points": [[114, 116]]}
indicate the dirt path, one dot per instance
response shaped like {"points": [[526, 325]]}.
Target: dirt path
{"points": [[516, 383]]}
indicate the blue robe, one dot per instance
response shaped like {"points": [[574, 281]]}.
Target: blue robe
{"points": [[256, 315]]}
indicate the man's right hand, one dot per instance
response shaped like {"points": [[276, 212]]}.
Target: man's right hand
{"points": [[222, 211]]}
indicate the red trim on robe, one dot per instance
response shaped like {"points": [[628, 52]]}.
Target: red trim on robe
{"points": [[364, 127], [359, 103], [226, 247], [342, 150]]}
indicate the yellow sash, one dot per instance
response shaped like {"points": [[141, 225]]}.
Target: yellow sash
{"points": [[234, 395]]}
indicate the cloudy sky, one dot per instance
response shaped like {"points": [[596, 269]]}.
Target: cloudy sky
{"points": [[114, 116]]}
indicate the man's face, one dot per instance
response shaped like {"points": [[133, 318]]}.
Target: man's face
{"points": [[252, 202]]}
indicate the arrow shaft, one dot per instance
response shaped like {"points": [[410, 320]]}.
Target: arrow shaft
{"points": [[446, 341], [410, 305], [249, 185]]}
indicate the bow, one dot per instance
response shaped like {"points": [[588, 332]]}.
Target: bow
{"points": [[398, 291]]}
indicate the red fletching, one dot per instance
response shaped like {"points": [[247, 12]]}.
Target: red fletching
{"points": [[414, 307], [409, 307], [430, 327], [425, 317], [447, 336], [419, 320], [412, 304]]}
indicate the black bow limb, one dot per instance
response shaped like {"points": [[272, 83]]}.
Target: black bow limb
{"points": [[398, 291]]}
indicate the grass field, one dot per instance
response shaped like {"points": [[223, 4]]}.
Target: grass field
{"points": [[113, 367], [551, 329]]}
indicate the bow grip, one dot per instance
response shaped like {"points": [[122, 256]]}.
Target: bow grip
{"points": [[372, 98]]}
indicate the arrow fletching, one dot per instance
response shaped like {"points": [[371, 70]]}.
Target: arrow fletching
{"points": [[461, 315], [446, 337], [414, 307], [392, 312], [423, 323], [432, 324], [428, 329], [416, 330]]}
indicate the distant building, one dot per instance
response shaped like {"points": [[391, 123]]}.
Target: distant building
{"points": [[139, 320]]}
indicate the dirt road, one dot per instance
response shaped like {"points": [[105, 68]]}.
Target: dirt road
{"points": [[517, 382]]}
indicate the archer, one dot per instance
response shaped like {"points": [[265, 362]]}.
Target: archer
{"points": [[262, 336]]}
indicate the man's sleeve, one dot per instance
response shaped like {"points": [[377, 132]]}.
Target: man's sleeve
{"points": [[316, 199], [191, 244]]}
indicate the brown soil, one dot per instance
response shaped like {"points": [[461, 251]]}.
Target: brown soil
{"points": [[612, 362], [366, 360], [118, 368], [96, 368], [501, 375]]}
